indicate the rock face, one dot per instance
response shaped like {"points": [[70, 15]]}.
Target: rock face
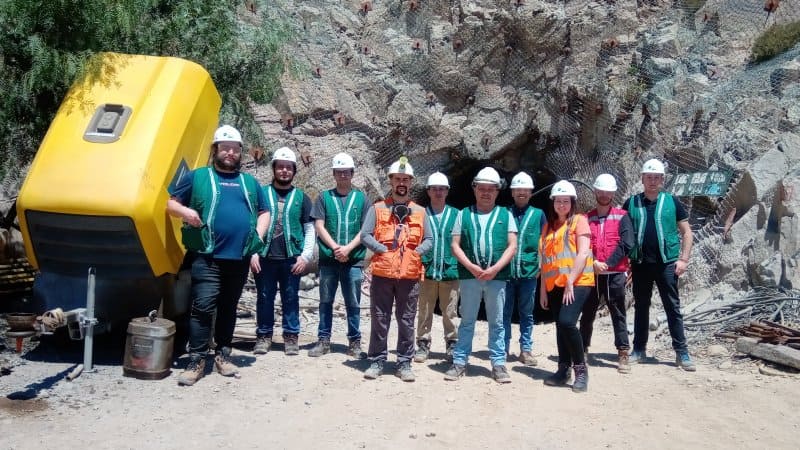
{"points": [[561, 90]]}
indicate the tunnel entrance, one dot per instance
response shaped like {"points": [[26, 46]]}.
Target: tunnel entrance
{"points": [[461, 196]]}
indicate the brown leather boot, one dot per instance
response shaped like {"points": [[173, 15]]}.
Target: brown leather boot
{"points": [[623, 366]]}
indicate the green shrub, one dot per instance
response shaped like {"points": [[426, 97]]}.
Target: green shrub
{"points": [[776, 40]]}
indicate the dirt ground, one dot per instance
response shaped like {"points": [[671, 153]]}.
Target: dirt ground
{"points": [[300, 402]]}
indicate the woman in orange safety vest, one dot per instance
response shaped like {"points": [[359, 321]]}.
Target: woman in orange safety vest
{"points": [[568, 279]]}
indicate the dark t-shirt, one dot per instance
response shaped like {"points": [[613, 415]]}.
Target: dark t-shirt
{"points": [[277, 248], [232, 220], [650, 250]]}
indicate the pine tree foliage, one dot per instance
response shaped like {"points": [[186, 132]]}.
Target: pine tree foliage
{"points": [[45, 45]]}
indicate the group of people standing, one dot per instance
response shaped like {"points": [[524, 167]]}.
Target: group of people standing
{"points": [[505, 257]]}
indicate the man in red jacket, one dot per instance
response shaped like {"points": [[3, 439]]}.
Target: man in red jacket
{"points": [[612, 239]]}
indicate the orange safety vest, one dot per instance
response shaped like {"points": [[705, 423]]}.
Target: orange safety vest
{"points": [[558, 258], [400, 261]]}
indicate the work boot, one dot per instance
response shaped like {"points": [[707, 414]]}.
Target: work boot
{"points": [[322, 347], [526, 358], [263, 344], [581, 383], [455, 372], [684, 361], [448, 353], [637, 356], [375, 370], [423, 349], [223, 363], [193, 371], [560, 377], [290, 345], [404, 372], [355, 351], [500, 374], [623, 366]]}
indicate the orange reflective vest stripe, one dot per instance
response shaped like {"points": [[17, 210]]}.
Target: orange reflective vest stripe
{"points": [[558, 250], [400, 261]]}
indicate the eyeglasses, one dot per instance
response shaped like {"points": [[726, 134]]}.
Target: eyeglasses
{"points": [[343, 173]]}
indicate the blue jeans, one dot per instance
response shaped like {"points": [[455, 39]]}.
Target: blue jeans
{"points": [[330, 276], [216, 287], [523, 293], [494, 296], [663, 276], [275, 272]]}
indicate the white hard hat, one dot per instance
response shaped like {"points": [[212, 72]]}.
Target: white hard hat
{"points": [[343, 161], [401, 166], [522, 180], [487, 175], [605, 182], [653, 166], [227, 133], [437, 179], [284, 154], [563, 187]]}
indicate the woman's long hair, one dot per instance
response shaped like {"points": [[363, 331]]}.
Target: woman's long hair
{"points": [[552, 217]]}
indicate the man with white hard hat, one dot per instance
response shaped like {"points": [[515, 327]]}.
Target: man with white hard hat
{"points": [[225, 216], [395, 230], [289, 248], [521, 284], [441, 272], [338, 214], [662, 246], [611, 240], [484, 241]]}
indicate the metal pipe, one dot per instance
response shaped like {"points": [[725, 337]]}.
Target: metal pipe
{"points": [[88, 343]]}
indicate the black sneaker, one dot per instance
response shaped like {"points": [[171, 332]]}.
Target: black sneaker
{"points": [[375, 370], [322, 347]]}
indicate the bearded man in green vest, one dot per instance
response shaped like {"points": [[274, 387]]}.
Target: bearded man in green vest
{"points": [[338, 214], [289, 248], [225, 214], [660, 255]]}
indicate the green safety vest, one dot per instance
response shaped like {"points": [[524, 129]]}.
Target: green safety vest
{"points": [[205, 200], [292, 228], [439, 262], [342, 224], [525, 264], [496, 238], [669, 243]]}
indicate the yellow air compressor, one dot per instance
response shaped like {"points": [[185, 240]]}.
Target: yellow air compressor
{"points": [[96, 192]]}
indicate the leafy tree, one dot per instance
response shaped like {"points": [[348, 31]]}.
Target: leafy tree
{"points": [[45, 45]]}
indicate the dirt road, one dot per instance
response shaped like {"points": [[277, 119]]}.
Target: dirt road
{"points": [[301, 402]]}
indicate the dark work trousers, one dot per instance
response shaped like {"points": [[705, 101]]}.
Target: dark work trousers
{"points": [[663, 275], [610, 287], [216, 287], [404, 294], [568, 338]]}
